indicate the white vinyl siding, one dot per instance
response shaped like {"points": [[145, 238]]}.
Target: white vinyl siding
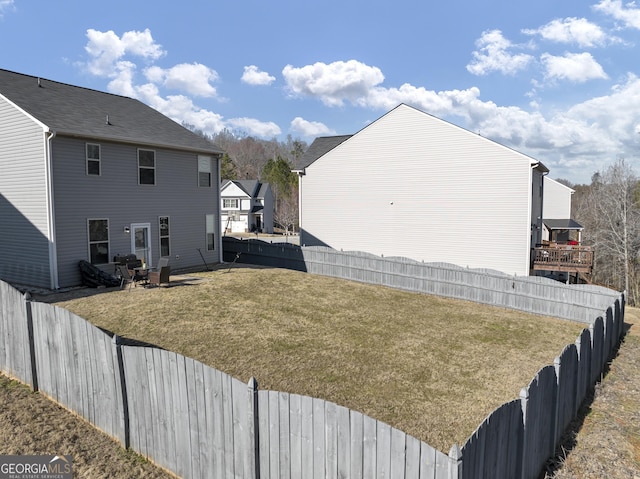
{"points": [[412, 185], [557, 200]]}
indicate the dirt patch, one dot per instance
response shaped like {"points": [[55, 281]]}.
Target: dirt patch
{"points": [[31, 424], [607, 441]]}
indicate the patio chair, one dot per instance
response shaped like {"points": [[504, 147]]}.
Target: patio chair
{"points": [[161, 276], [125, 275]]}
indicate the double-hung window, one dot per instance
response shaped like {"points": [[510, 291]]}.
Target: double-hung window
{"points": [[98, 240], [204, 171], [230, 203], [146, 167], [93, 159], [164, 235], [211, 232]]}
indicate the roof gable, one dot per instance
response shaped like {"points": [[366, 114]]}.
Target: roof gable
{"points": [[323, 145], [319, 147], [75, 111]]}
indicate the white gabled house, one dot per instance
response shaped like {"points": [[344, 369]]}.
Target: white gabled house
{"points": [[410, 184], [557, 225], [247, 206]]}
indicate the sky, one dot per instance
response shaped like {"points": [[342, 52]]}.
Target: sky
{"points": [[558, 81]]}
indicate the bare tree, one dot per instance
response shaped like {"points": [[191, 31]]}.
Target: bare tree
{"points": [[286, 215], [610, 212]]}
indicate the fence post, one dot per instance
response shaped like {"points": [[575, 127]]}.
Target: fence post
{"points": [[254, 431], [117, 347], [557, 365], [524, 402], [32, 345], [455, 462]]}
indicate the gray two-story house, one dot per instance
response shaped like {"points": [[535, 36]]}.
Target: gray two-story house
{"points": [[88, 175]]}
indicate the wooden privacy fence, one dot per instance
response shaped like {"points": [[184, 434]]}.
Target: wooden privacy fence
{"points": [[533, 294], [198, 422]]}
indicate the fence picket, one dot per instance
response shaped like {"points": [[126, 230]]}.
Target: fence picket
{"points": [[197, 421]]}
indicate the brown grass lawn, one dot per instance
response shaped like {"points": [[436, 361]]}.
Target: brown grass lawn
{"points": [[432, 367]]}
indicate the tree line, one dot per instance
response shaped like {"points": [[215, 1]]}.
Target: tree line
{"points": [[609, 210], [268, 161]]}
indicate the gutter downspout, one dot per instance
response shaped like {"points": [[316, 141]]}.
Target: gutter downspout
{"points": [[300, 174], [219, 215], [51, 226]]}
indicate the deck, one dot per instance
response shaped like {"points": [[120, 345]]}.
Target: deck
{"points": [[564, 258]]}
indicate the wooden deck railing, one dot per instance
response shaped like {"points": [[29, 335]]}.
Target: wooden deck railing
{"points": [[567, 258]]}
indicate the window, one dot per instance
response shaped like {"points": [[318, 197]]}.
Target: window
{"points": [[146, 167], [204, 171], [99, 241], [93, 159], [164, 235], [211, 236], [230, 203]]}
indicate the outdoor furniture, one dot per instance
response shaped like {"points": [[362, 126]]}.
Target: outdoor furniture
{"points": [[161, 274], [140, 274], [125, 275], [160, 277]]}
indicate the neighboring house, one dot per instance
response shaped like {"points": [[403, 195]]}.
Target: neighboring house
{"points": [[561, 255], [87, 175], [410, 184], [247, 206], [557, 224]]}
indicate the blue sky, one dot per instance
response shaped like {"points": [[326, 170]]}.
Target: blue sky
{"points": [[559, 81]]}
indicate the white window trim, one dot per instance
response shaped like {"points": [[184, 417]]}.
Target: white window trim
{"points": [[98, 160], [207, 232], [160, 236], [154, 168], [202, 161], [89, 242], [236, 207]]}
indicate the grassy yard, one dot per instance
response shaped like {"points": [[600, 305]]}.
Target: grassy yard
{"points": [[430, 366]]}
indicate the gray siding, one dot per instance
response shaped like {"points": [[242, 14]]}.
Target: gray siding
{"points": [[115, 195], [24, 243]]}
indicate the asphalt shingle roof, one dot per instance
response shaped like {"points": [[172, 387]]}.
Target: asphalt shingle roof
{"points": [[562, 224], [76, 111], [319, 147]]}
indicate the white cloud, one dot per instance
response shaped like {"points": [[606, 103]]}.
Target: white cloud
{"points": [[572, 142], [255, 127], [253, 76], [579, 31], [192, 78], [6, 5], [630, 15], [333, 83], [111, 56], [310, 128], [494, 54], [575, 67], [106, 49]]}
